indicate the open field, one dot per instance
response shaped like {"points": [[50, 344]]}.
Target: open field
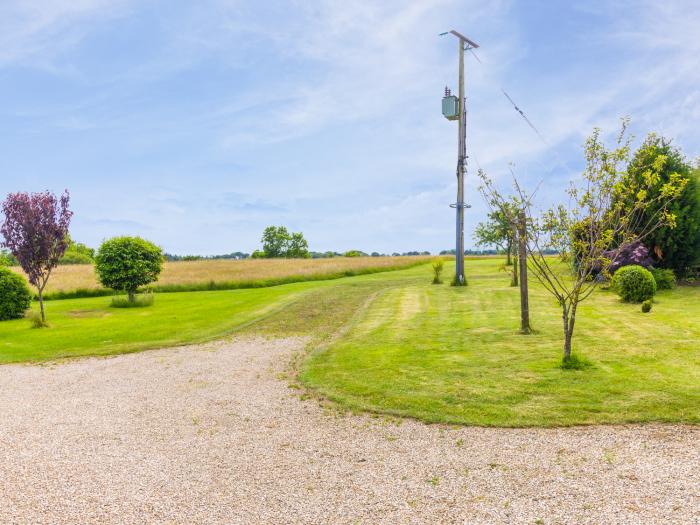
{"points": [[393, 343], [229, 274]]}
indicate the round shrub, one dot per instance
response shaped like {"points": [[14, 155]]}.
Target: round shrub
{"points": [[126, 263], [646, 306], [634, 284], [15, 296]]}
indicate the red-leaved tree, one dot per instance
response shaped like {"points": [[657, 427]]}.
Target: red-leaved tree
{"points": [[36, 232]]}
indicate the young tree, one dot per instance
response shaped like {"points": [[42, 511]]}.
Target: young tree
{"points": [[511, 210], [497, 231], [610, 203], [127, 263], [36, 232]]}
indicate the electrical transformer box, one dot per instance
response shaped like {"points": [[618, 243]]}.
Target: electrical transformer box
{"points": [[450, 107]]}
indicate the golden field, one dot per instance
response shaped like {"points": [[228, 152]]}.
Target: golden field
{"points": [[73, 277]]}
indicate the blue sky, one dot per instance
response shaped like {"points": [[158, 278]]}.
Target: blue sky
{"points": [[197, 124]]}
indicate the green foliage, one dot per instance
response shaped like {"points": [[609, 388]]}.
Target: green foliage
{"points": [[126, 263], [498, 229], [354, 253], [675, 244], [634, 284], [7, 259], [438, 265], [279, 243], [575, 362], [664, 277], [646, 306], [258, 254], [298, 247], [77, 253], [15, 296], [138, 302]]}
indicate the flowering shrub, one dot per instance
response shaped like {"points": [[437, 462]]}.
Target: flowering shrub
{"points": [[634, 253]]}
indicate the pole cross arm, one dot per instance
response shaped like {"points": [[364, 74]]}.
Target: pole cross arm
{"points": [[470, 43]]}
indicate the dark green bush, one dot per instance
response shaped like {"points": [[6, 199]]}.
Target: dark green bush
{"points": [[646, 306], [634, 284], [127, 263], [664, 277], [15, 296]]}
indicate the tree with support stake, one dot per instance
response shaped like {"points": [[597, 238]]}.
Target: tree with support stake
{"points": [[454, 108], [512, 211]]}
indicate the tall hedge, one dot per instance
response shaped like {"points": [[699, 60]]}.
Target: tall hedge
{"points": [[675, 248]]}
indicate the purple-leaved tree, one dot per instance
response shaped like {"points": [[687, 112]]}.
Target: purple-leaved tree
{"points": [[36, 232]]}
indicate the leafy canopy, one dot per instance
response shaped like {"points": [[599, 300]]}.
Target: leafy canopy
{"points": [[126, 263], [77, 253], [36, 232], [279, 243], [675, 244]]}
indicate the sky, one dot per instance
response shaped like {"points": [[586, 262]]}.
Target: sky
{"points": [[197, 124]]}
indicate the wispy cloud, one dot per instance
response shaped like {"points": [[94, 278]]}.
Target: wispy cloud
{"points": [[209, 120]]}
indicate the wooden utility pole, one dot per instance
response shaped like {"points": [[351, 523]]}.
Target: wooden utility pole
{"points": [[522, 261]]}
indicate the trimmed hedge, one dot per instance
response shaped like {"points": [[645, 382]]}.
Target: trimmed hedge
{"points": [[634, 284]]}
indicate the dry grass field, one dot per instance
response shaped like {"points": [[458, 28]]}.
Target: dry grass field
{"points": [[74, 277]]}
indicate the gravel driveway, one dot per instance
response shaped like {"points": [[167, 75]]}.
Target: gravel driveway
{"points": [[211, 434]]}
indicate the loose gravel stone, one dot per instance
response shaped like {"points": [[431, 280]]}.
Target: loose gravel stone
{"points": [[212, 434]]}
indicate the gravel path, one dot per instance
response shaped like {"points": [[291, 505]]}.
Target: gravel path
{"points": [[210, 434]]}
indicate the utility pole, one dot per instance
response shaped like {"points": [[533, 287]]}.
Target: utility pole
{"points": [[454, 108]]}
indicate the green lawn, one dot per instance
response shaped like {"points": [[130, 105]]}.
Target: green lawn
{"points": [[393, 343], [91, 327], [453, 355], [80, 327]]}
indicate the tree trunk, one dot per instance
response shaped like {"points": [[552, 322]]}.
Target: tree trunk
{"points": [[567, 344], [570, 332], [514, 250], [41, 304], [132, 295], [567, 334], [569, 317], [522, 261], [509, 249]]}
